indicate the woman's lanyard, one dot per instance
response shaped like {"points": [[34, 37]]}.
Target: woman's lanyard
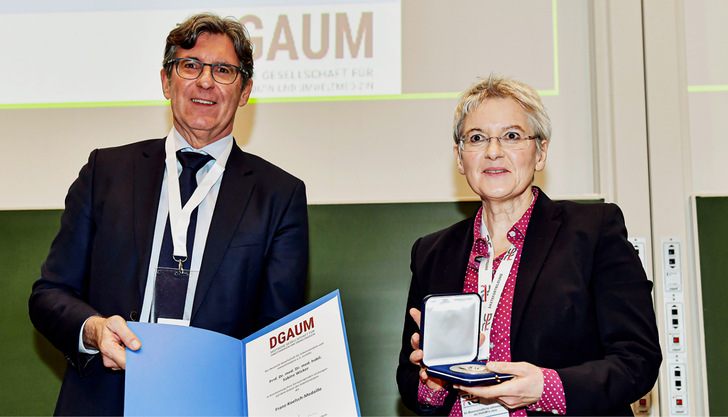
{"points": [[491, 289], [179, 217]]}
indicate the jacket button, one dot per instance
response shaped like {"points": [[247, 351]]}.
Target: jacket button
{"points": [[134, 315]]}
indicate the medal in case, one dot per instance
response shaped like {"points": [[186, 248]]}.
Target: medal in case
{"points": [[470, 369]]}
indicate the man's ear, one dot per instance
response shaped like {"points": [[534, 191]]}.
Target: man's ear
{"points": [[165, 83], [246, 93]]}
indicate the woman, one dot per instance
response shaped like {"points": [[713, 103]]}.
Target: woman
{"points": [[573, 317]]}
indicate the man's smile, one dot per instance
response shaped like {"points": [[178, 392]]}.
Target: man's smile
{"points": [[201, 101]]}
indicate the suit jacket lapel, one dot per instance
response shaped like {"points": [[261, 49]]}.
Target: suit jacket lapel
{"points": [[542, 229], [148, 175], [236, 189], [458, 249]]}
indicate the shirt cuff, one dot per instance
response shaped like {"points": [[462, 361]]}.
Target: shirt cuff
{"points": [[553, 399], [81, 347], [429, 396]]}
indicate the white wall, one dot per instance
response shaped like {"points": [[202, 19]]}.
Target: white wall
{"points": [[393, 149], [706, 61]]}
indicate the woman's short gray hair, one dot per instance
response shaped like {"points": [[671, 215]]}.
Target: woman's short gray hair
{"points": [[503, 87]]}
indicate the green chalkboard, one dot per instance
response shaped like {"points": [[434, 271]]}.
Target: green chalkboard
{"points": [[30, 368], [712, 215], [362, 249]]}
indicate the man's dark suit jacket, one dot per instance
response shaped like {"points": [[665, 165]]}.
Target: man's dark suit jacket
{"points": [[582, 305], [253, 270]]}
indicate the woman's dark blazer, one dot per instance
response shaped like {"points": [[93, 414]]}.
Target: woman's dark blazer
{"points": [[582, 305]]}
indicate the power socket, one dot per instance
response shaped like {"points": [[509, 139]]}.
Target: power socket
{"points": [[678, 389], [671, 265], [675, 328], [676, 345], [642, 406], [640, 245]]}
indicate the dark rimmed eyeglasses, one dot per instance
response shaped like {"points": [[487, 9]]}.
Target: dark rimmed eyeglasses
{"points": [[191, 69]]}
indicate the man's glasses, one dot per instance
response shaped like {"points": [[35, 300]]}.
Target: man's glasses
{"points": [[191, 69], [511, 140]]}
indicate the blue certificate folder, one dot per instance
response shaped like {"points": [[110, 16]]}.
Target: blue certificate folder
{"points": [[190, 371]]}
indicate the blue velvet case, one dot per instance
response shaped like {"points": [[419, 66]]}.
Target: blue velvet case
{"points": [[450, 335]]}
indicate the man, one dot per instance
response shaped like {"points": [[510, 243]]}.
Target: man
{"points": [[118, 256]]}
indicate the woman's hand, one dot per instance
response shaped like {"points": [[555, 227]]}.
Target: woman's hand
{"points": [[416, 356], [523, 390]]}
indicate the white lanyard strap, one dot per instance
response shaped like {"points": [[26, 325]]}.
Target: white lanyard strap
{"points": [[179, 217], [491, 289]]}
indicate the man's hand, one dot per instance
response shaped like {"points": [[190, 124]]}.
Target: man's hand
{"points": [[110, 336], [523, 390]]}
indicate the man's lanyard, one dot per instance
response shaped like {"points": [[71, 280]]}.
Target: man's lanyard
{"points": [[179, 217], [179, 222], [491, 289]]}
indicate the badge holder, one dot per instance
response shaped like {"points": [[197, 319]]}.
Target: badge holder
{"points": [[170, 296], [449, 340]]}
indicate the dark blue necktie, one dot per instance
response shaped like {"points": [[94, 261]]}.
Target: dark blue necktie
{"points": [[191, 163], [173, 292]]}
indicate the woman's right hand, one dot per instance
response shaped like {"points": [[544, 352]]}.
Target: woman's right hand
{"points": [[416, 356]]}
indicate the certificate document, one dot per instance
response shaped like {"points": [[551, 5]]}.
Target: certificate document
{"points": [[299, 365]]}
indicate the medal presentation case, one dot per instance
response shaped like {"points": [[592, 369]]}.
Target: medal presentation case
{"points": [[449, 340]]}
